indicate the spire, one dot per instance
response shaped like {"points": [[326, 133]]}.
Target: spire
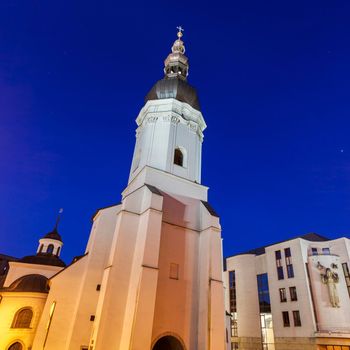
{"points": [[54, 233], [58, 219], [176, 64]]}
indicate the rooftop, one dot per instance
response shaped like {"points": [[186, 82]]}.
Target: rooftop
{"points": [[312, 237]]}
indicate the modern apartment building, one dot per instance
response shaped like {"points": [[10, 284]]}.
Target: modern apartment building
{"points": [[290, 295]]}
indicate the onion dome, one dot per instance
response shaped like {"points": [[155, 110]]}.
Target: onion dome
{"points": [[29, 283], [174, 84]]}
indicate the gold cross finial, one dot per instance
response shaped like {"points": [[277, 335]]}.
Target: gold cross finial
{"points": [[180, 30]]}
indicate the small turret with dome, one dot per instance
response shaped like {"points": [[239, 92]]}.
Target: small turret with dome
{"points": [[49, 248]]}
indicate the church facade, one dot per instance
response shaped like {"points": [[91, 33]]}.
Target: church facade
{"points": [[151, 275]]}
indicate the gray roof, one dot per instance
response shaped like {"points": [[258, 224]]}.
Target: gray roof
{"points": [[29, 283], [174, 88], [312, 237], [43, 259], [54, 235]]}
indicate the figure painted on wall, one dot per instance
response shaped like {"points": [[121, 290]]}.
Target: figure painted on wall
{"points": [[331, 279]]}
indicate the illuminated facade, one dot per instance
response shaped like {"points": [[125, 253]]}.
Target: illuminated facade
{"points": [[290, 295], [23, 292], [151, 276]]}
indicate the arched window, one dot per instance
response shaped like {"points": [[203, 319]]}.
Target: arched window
{"points": [[22, 319], [58, 251], [178, 157], [41, 248], [50, 249], [16, 346]]}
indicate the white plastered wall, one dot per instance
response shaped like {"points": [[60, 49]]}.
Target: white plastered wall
{"points": [[163, 126]]}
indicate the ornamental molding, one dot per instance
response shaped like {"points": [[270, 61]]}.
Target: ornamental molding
{"points": [[171, 106]]}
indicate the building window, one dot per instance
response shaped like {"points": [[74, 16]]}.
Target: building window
{"points": [[290, 271], [22, 318], [98, 287], [283, 295], [234, 346], [296, 318], [288, 257], [51, 313], [92, 318], [279, 266], [267, 335], [287, 253], [174, 271], [50, 249], [233, 298], [233, 303], [333, 347], [58, 251], [41, 248], [234, 325], [314, 251], [16, 346], [285, 316], [278, 255], [280, 274], [293, 293], [326, 251], [263, 293], [178, 157], [347, 276]]}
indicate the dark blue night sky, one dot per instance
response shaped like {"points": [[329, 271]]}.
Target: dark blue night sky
{"points": [[273, 80]]}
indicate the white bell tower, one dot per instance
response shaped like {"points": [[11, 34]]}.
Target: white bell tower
{"points": [[170, 126]]}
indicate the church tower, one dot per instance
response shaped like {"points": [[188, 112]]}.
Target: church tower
{"points": [[170, 126], [163, 287], [151, 276]]}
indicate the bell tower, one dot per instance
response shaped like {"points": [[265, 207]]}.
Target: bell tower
{"points": [[162, 287], [170, 126]]}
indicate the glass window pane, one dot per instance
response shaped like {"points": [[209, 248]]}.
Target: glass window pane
{"points": [[287, 252], [280, 274], [326, 251], [290, 271]]}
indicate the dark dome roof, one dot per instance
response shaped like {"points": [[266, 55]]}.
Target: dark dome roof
{"points": [[174, 88], [43, 259], [54, 235], [30, 283]]}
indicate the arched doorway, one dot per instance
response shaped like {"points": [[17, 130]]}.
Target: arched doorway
{"points": [[16, 346], [168, 343]]}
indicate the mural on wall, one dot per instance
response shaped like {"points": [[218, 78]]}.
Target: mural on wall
{"points": [[330, 278]]}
